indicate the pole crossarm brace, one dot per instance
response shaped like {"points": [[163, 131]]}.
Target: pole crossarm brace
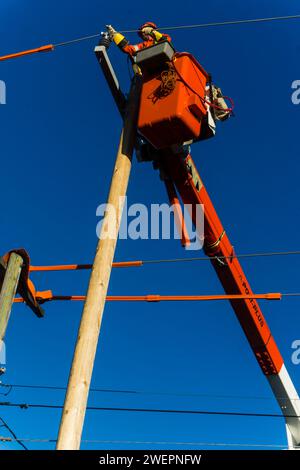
{"points": [[14, 271], [109, 74], [25, 287], [9, 277]]}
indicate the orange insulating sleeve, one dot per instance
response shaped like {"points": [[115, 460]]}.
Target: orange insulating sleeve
{"points": [[47, 296], [178, 298], [75, 267], [47, 48], [60, 267], [127, 264]]}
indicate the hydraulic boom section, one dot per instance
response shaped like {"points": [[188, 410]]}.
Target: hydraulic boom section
{"points": [[182, 171]]}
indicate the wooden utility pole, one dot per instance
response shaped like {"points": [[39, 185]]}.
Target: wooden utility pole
{"points": [[8, 290], [83, 361]]}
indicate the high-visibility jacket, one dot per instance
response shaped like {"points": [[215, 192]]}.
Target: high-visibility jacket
{"points": [[124, 45]]}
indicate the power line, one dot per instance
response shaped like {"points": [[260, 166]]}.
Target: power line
{"points": [[139, 263], [72, 41], [222, 23], [206, 258], [164, 443], [144, 392], [195, 444], [291, 294], [47, 296], [13, 434], [154, 410], [51, 47], [190, 26]]}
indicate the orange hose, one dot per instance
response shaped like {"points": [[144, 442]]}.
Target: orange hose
{"points": [[47, 296], [75, 267], [47, 48], [127, 264], [60, 267]]}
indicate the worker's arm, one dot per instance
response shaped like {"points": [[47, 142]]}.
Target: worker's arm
{"points": [[121, 41], [124, 45]]}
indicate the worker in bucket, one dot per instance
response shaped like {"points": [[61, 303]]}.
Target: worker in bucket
{"points": [[147, 32], [215, 106], [150, 35]]}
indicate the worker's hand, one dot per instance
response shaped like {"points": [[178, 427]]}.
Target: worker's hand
{"points": [[147, 31], [111, 31]]}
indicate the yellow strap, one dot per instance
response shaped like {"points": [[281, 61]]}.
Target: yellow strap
{"points": [[157, 35], [217, 242], [118, 37]]}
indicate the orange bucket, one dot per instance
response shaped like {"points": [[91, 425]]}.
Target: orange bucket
{"points": [[172, 103]]}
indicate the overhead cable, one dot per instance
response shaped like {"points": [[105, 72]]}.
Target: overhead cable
{"points": [[161, 443], [26, 406], [51, 47], [139, 263], [145, 392]]}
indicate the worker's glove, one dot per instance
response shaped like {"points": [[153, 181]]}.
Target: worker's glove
{"points": [[111, 31], [148, 30]]}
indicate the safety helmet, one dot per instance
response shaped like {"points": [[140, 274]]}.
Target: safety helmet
{"points": [[145, 25]]}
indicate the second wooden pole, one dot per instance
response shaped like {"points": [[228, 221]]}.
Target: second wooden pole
{"points": [[84, 356]]}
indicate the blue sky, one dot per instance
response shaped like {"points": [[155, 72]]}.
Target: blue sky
{"points": [[59, 135]]}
